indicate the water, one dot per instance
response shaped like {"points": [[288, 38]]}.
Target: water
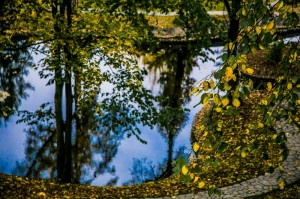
{"points": [[13, 137]]}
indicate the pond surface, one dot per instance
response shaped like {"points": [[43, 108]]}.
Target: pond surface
{"points": [[162, 79]]}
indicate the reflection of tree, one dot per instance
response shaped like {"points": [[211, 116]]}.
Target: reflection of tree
{"points": [[93, 147], [175, 64], [13, 67], [144, 170]]}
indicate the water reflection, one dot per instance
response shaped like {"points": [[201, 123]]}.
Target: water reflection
{"points": [[172, 66], [94, 148], [14, 63]]}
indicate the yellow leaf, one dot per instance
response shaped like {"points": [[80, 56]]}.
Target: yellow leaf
{"points": [[192, 176], [249, 71], [269, 86], [230, 46], [281, 184], [237, 148], [281, 167], [211, 83], [205, 85], [225, 101], [205, 100], [184, 170], [264, 102], [289, 86], [194, 90], [219, 109], [244, 13], [226, 86], [196, 179], [243, 154], [258, 29], [201, 184], [205, 134], [270, 25], [260, 125], [261, 46], [217, 99], [236, 102], [42, 194], [298, 101], [196, 147], [229, 74], [274, 136], [279, 5], [247, 131], [249, 28]]}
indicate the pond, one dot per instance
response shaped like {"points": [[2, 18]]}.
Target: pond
{"points": [[164, 78]]}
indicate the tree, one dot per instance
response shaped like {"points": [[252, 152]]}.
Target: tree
{"points": [[257, 31], [86, 43]]}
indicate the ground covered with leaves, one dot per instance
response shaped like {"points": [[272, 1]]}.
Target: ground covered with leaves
{"points": [[235, 152]]}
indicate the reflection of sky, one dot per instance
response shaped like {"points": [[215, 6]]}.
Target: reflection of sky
{"points": [[12, 137]]}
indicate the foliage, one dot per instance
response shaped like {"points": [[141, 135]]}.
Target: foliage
{"points": [[14, 66], [228, 93], [86, 45], [234, 145]]}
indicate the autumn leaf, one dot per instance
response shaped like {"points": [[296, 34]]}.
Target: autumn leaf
{"points": [[196, 179], [229, 74], [201, 184], [217, 99], [236, 102], [225, 101], [184, 170], [270, 25], [260, 125], [243, 154], [205, 85], [258, 30], [250, 71], [279, 5], [196, 147], [289, 86], [247, 131], [42, 194], [226, 86], [269, 86], [230, 46], [211, 83], [196, 89], [218, 109], [281, 184], [264, 102]]}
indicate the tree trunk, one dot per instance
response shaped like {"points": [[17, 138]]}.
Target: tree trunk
{"points": [[233, 34], [58, 98], [69, 101], [169, 168]]}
